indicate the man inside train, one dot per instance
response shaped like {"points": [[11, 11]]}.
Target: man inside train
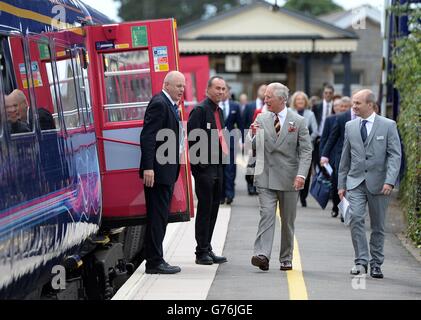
{"points": [[12, 111]]}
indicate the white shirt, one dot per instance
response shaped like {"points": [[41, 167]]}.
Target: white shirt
{"points": [[327, 109], [225, 106], [259, 104], [282, 116], [353, 115], [169, 97], [369, 124]]}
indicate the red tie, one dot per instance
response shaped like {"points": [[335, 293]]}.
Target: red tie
{"points": [[220, 133]]}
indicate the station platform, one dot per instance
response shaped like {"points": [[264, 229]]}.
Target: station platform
{"points": [[323, 257]]}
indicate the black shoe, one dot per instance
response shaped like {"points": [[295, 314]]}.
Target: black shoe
{"points": [[217, 259], [229, 200], [163, 268], [376, 272], [303, 203], [334, 213], [260, 261], [222, 201], [286, 265], [204, 259]]}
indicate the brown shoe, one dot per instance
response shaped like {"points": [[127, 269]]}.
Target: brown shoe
{"points": [[286, 265], [260, 261]]}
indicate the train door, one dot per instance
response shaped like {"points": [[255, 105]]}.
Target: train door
{"points": [[196, 71], [128, 62]]}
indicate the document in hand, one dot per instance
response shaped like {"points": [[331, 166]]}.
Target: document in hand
{"points": [[328, 168], [345, 211]]}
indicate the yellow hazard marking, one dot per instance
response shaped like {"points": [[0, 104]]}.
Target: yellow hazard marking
{"points": [[296, 284]]}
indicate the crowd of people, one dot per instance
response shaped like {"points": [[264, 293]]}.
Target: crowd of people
{"points": [[291, 138]]}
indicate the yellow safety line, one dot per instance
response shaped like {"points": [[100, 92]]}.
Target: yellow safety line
{"points": [[296, 284]]}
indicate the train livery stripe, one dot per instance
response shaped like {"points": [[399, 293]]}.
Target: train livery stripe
{"points": [[27, 14]]}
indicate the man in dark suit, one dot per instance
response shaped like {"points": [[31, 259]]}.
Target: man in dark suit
{"points": [[248, 118], [327, 129], [331, 147], [321, 112], [207, 152], [159, 173], [233, 120]]}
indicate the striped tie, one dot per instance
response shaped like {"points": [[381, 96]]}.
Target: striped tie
{"points": [[277, 124]]}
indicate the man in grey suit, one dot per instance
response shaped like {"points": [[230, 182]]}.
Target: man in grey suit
{"points": [[283, 160], [368, 170]]}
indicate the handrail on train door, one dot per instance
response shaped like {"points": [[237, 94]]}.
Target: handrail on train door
{"points": [[119, 141]]}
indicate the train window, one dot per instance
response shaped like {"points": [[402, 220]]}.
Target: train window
{"points": [[67, 92], [128, 85], [14, 73], [39, 50], [83, 83], [53, 90]]}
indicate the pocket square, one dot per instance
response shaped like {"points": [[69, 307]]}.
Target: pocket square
{"points": [[380, 138]]}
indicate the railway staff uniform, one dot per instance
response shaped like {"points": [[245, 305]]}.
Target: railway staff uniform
{"points": [[208, 170]]}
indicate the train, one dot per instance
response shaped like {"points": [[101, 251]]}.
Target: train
{"points": [[74, 89]]}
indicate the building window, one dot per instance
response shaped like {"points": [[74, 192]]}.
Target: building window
{"points": [[355, 77]]}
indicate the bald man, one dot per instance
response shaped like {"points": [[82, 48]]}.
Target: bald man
{"points": [[12, 104], [368, 171], [159, 170]]}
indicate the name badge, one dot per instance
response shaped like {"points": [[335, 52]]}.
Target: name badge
{"points": [[208, 125], [380, 138], [233, 111]]}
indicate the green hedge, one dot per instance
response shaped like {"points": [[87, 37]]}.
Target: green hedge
{"points": [[407, 78]]}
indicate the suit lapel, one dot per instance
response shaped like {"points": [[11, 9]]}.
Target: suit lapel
{"points": [[284, 130], [373, 130], [168, 102]]}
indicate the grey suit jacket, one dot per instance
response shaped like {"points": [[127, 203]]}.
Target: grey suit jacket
{"points": [[377, 161], [279, 159]]}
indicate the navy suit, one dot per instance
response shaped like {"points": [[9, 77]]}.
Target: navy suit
{"points": [[232, 121], [327, 129], [331, 145], [160, 114], [248, 114]]}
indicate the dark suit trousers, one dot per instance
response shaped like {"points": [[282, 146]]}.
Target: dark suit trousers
{"points": [[158, 199], [335, 196], [230, 172], [208, 191], [304, 192]]}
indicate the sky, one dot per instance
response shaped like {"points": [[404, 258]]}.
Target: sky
{"points": [[110, 7]]}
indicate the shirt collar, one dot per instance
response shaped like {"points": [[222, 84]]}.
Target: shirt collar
{"points": [[169, 97], [370, 118], [213, 105], [283, 113]]}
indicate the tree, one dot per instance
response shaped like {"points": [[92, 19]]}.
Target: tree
{"points": [[184, 11], [313, 7]]}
